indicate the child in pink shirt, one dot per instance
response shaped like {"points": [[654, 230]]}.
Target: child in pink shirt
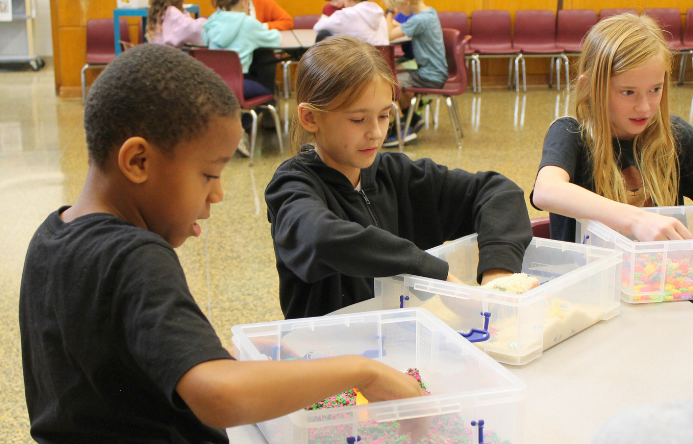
{"points": [[169, 24]]}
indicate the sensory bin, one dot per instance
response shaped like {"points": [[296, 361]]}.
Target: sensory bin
{"points": [[470, 392], [652, 271], [579, 286]]}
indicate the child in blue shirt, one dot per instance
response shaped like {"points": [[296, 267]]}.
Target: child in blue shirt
{"points": [[426, 33]]}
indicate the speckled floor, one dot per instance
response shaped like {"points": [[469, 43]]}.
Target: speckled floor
{"points": [[230, 268]]}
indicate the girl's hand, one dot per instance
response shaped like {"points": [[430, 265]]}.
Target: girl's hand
{"points": [[648, 227]]}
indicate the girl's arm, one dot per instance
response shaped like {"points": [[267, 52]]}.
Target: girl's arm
{"points": [[273, 15], [227, 393], [554, 193]]}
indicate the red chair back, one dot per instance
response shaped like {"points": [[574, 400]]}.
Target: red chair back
{"points": [[540, 227], [225, 63], [305, 21], [491, 31], [669, 19], [454, 20], [572, 26], [534, 29], [101, 40], [455, 48], [606, 13], [688, 30], [388, 53]]}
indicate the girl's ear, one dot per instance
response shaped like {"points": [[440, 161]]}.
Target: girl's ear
{"points": [[133, 159], [307, 118], [582, 82]]}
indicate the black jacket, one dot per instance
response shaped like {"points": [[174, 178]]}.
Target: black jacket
{"points": [[330, 240]]}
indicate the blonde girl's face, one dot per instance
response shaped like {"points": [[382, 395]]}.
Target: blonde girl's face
{"points": [[349, 139], [634, 98]]}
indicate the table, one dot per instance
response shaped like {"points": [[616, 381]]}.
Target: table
{"points": [[140, 12], [641, 356]]}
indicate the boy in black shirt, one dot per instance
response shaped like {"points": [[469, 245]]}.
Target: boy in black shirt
{"points": [[114, 347]]}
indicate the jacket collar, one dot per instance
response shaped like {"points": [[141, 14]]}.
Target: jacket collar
{"points": [[329, 175]]}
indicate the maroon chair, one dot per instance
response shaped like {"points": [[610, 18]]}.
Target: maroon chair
{"points": [[687, 40], [606, 13], [669, 19], [540, 227], [101, 45], [388, 53], [572, 25], [306, 21], [491, 32], [456, 85], [535, 36], [228, 65], [300, 22], [458, 20]]}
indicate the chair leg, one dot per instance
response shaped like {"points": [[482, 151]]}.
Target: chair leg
{"points": [[682, 68], [285, 78], [453, 120], [477, 73], [566, 65], [398, 126], [517, 72], [410, 113], [558, 73], [553, 61], [277, 126], [524, 75], [435, 116], [253, 135], [510, 72], [84, 83], [456, 108]]}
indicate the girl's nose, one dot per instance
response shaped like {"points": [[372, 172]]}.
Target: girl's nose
{"points": [[642, 105], [217, 193]]}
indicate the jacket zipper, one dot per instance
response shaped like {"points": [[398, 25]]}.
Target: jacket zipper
{"points": [[370, 209]]}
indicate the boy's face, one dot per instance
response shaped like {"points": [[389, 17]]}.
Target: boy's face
{"points": [[180, 189]]}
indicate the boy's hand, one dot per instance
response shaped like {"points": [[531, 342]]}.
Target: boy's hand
{"points": [[492, 274], [648, 227]]}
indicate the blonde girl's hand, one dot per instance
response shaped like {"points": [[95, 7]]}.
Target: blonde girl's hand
{"points": [[649, 227]]}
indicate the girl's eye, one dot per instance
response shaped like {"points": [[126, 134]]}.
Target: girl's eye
{"points": [[210, 177], [656, 89], [628, 92], [357, 121], [386, 116]]}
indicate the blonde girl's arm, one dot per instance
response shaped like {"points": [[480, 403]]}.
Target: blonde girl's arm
{"points": [[554, 193]]}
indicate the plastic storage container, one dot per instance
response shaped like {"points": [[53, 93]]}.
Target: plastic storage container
{"points": [[580, 286], [652, 271], [469, 391]]}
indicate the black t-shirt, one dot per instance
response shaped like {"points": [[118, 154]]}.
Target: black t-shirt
{"points": [[564, 148], [108, 328]]}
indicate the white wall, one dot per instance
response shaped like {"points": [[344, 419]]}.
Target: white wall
{"points": [[44, 44]]}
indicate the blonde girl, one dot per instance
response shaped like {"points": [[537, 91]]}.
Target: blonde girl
{"points": [[342, 213], [169, 24], [624, 151]]}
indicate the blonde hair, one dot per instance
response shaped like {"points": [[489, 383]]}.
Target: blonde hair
{"points": [[156, 14], [332, 75], [394, 4], [614, 46]]}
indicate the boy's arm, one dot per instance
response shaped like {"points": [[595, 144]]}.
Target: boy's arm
{"points": [[225, 393], [394, 30]]}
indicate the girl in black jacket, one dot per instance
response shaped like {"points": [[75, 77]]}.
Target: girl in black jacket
{"points": [[342, 213]]}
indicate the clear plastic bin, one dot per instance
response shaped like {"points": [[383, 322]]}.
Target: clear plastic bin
{"points": [[579, 287], [466, 386], [652, 271]]}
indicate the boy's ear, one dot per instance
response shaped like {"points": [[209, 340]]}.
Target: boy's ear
{"points": [[307, 118], [134, 159]]}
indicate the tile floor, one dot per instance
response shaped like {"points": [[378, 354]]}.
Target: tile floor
{"points": [[230, 268]]}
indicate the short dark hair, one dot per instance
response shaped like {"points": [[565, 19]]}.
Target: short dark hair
{"points": [[155, 92]]}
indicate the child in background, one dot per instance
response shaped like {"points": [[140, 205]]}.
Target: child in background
{"points": [[231, 28], [114, 347], [426, 34], [270, 14], [343, 214], [332, 6], [361, 19], [624, 151], [169, 24]]}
